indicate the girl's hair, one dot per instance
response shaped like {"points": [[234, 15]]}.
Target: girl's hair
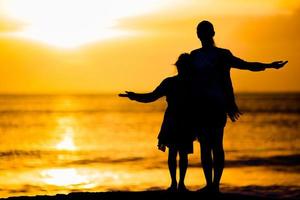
{"points": [[206, 32], [183, 63]]}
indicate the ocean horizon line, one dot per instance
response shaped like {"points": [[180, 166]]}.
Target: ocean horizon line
{"points": [[116, 93]]}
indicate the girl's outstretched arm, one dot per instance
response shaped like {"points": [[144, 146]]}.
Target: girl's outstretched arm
{"points": [[148, 97], [141, 97]]}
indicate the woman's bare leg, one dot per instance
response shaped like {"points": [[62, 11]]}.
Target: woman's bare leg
{"points": [[183, 164], [206, 156], [219, 156]]}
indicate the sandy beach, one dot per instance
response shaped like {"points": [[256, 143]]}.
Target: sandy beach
{"points": [[275, 192], [158, 194]]}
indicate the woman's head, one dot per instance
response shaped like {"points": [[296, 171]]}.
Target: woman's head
{"points": [[183, 63], [206, 32]]}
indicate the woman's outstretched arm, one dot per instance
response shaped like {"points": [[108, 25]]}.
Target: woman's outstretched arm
{"points": [[238, 63], [258, 66]]}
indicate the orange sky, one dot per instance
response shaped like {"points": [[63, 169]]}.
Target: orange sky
{"points": [[68, 48]]}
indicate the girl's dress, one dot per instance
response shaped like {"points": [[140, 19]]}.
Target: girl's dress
{"points": [[176, 129]]}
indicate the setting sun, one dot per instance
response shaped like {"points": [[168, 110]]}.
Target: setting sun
{"points": [[67, 24]]}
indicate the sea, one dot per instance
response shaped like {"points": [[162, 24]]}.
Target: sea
{"points": [[57, 144]]}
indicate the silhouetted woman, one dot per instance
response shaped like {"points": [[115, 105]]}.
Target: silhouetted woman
{"points": [[175, 131], [213, 99]]}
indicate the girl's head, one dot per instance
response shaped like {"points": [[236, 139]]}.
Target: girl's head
{"points": [[183, 63], [206, 32]]}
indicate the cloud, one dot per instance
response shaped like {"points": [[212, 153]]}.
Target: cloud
{"points": [[9, 25]]}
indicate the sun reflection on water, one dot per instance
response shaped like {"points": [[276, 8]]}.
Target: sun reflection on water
{"points": [[67, 143], [65, 177], [84, 178], [66, 129]]}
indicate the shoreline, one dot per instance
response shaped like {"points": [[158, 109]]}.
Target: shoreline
{"points": [[155, 195]]}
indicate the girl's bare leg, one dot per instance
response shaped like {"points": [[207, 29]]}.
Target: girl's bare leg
{"points": [[172, 168]]}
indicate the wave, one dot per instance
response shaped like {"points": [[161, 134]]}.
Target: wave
{"points": [[287, 163], [106, 160], [269, 192], [20, 153]]}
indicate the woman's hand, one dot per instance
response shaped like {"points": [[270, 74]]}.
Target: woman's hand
{"points": [[234, 114], [128, 94], [278, 64]]}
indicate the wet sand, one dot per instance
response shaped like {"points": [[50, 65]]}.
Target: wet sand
{"points": [[155, 195]]}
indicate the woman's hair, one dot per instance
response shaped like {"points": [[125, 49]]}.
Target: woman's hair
{"points": [[183, 63], [206, 32]]}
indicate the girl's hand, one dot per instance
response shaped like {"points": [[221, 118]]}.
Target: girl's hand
{"points": [[127, 94]]}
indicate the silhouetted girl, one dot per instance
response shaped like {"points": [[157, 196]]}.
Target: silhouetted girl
{"points": [[175, 132]]}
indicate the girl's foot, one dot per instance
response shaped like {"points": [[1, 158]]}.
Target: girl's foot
{"points": [[182, 188], [216, 188]]}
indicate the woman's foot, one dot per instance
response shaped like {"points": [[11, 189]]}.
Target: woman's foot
{"points": [[172, 188], [212, 189], [205, 189]]}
